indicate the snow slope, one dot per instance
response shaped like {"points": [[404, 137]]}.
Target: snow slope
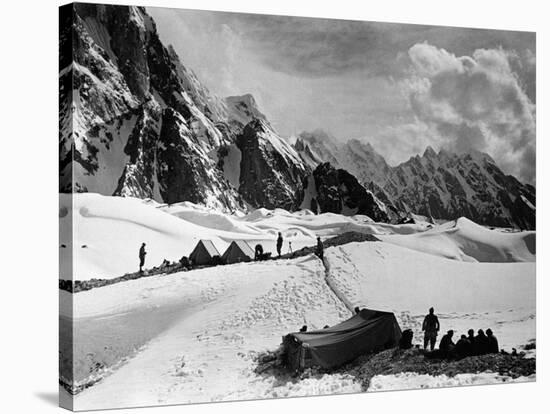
{"points": [[109, 230], [192, 336], [465, 240], [233, 312], [379, 275]]}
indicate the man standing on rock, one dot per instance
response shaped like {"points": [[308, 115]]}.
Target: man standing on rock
{"points": [[142, 254], [430, 326], [279, 244]]}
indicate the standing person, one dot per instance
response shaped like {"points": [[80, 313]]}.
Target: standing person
{"points": [[430, 326], [258, 252], [320, 248], [142, 254], [492, 347], [279, 244]]}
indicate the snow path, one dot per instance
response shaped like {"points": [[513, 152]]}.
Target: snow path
{"points": [[334, 287], [208, 354]]}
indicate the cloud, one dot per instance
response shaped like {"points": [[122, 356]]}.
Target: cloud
{"points": [[474, 103]]}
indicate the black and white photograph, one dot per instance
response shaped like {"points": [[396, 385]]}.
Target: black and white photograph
{"points": [[257, 206]]}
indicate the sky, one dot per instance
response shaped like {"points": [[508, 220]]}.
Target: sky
{"points": [[400, 87]]}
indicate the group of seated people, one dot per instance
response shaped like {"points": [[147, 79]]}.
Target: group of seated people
{"points": [[480, 344]]}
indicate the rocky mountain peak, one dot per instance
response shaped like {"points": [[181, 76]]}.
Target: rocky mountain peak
{"points": [[429, 152]]}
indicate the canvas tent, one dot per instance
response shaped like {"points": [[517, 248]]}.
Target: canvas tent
{"points": [[238, 251], [204, 253], [368, 331]]}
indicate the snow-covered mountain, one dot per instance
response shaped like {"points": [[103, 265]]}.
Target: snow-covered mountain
{"points": [[135, 121], [439, 185]]}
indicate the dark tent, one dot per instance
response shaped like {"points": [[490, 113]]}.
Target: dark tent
{"points": [[238, 251], [366, 332], [204, 253]]}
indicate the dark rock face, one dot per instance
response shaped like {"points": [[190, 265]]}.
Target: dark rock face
{"points": [[269, 178], [138, 178], [339, 192], [185, 170]]}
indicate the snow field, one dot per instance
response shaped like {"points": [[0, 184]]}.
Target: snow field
{"points": [[466, 241], [107, 232], [379, 275], [209, 324], [208, 354]]}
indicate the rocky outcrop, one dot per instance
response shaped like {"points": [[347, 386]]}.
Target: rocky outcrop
{"points": [[184, 169], [271, 173], [339, 192]]}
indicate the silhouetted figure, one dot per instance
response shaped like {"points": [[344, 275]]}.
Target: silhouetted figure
{"points": [[290, 247], [303, 328], [184, 261], [471, 338], [463, 347], [279, 244], [446, 346], [481, 343], [258, 252], [319, 250], [430, 326], [357, 309], [492, 342], [142, 254], [405, 342]]}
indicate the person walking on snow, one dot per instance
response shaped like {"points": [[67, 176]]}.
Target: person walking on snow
{"points": [[279, 244], [430, 326], [142, 254]]}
